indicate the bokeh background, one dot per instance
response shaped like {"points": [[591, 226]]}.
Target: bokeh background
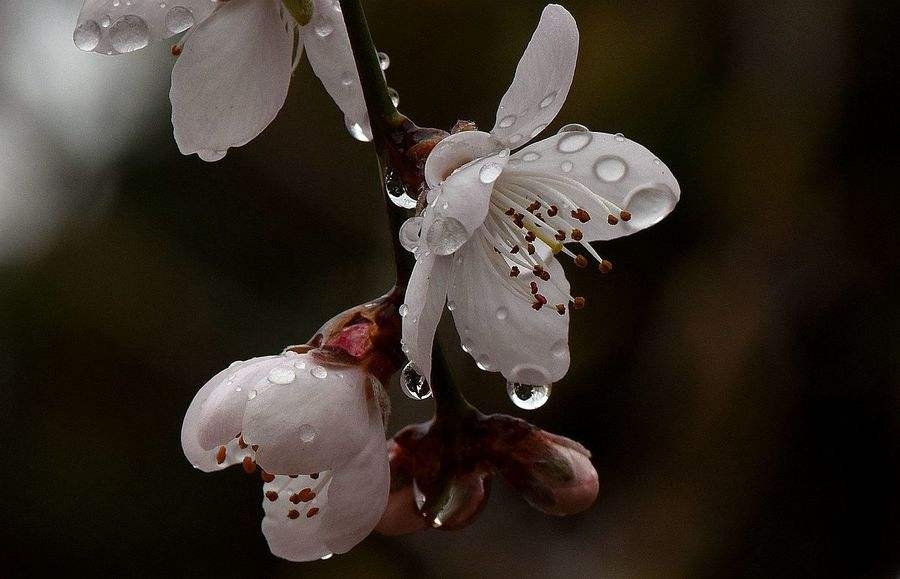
{"points": [[736, 377]]}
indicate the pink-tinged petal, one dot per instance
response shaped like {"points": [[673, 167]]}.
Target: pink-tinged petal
{"points": [[214, 417], [601, 173], [328, 50], [542, 79], [231, 79], [457, 150], [287, 502], [358, 493], [117, 26], [425, 297], [307, 417], [495, 319]]}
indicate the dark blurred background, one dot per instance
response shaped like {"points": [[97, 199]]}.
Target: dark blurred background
{"points": [[736, 377]]}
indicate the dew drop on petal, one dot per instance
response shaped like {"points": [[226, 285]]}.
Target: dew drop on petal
{"points": [[502, 313], [403, 310], [307, 432], [548, 100], [319, 372], [281, 375], [610, 169], [451, 305], [528, 396], [251, 395], [446, 235], [489, 173], [566, 166], [507, 121], [87, 36], [573, 128], [410, 233], [105, 21], [560, 349], [395, 96], [384, 61], [649, 203], [531, 157], [515, 139], [537, 130], [574, 141], [326, 556], [323, 27], [129, 33], [466, 346], [484, 363], [211, 156], [620, 137], [179, 19], [413, 384]]}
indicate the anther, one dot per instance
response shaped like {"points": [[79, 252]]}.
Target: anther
{"points": [[560, 235], [266, 477], [514, 271], [625, 215], [605, 266], [534, 288], [220, 455], [312, 512], [530, 236], [531, 249], [306, 495], [552, 210], [581, 261], [581, 215], [249, 465], [577, 235], [537, 270], [578, 303], [314, 476], [295, 498], [612, 219], [545, 275], [293, 475], [561, 309], [537, 306], [241, 442], [541, 299], [255, 447], [272, 496], [293, 514], [519, 220], [514, 249], [510, 211], [176, 50], [534, 207]]}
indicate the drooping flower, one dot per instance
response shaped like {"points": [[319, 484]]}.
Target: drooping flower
{"points": [[486, 242], [312, 420], [234, 66]]}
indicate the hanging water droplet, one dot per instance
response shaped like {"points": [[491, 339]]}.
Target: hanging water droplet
{"points": [[307, 432], [410, 233], [357, 131], [319, 372], [413, 384], [281, 375], [610, 169], [395, 96], [403, 347], [403, 310], [327, 556], [484, 362], [211, 156], [87, 36], [502, 313], [384, 61], [507, 121], [620, 137], [466, 346], [129, 33], [528, 396], [574, 141], [397, 191], [179, 19], [515, 139], [489, 173]]}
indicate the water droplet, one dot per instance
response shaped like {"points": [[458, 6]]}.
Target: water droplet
{"points": [[413, 384], [560, 349], [327, 556], [404, 347], [446, 235], [466, 346], [507, 121], [515, 139], [87, 36], [489, 173], [502, 313], [451, 305], [211, 156], [567, 166], [179, 19], [657, 162], [384, 61], [648, 204], [620, 137], [347, 79], [537, 130], [484, 362], [404, 310], [323, 27], [573, 128], [235, 363], [129, 33], [281, 375], [410, 233], [251, 395], [319, 372], [395, 96], [105, 21], [307, 432], [528, 396], [610, 169], [548, 100], [357, 131], [397, 191], [531, 157], [300, 365], [574, 141], [336, 4]]}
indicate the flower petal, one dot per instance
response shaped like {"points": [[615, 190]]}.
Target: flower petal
{"points": [[601, 173], [214, 417], [116, 27], [287, 502], [328, 50], [496, 321], [358, 493], [311, 418], [425, 297], [231, 79], [542, 80], [455, 151]]}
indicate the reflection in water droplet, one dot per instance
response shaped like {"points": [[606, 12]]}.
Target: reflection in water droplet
{"points": [[466, 346], [620, 137], [574, 141], [129, 33], [528, 396], [610, 169], [87, 36], [384, 61], [323, 27], [307, 433], [515, 139], [347, 79], [281, 375], [413, 384], [489, 173], [179, 19]]}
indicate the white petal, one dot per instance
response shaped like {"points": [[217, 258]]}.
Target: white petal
{"points": [[231, 79], [542, 79], [455, 151], [358, 493], [117, 26], [602, 174], [425, 297], [460, 204], [214, 417], [499, 328], [317, 421], [328, 50], [298, 538]]}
